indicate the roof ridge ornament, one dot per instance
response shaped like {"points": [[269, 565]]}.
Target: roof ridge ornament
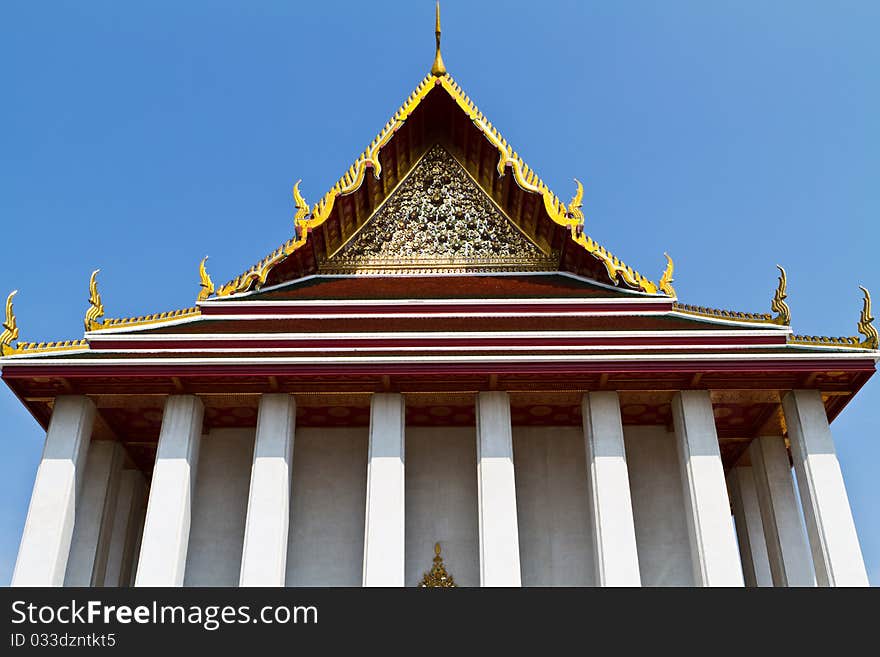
{"points": [[666, 279], [96, 308], [778, 305], [866, 322], [10, 328], [577, 202], [302, 208], [206, 284], [438, 69]]}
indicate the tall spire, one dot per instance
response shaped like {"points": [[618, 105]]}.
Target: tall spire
{"points": [[438, 69]]}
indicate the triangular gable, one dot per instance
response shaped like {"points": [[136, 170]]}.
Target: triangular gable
{"points": [[509, 166], [438, 219]]}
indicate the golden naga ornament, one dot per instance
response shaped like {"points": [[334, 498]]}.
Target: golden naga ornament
{"points": [[437, 577], [866, 323], [302, 208], [96, 308], [206, 285], [10, 328], [666, 279], [778, 305], [577, 202], [438, 68]]}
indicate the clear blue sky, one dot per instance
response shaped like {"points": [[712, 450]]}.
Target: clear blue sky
{"points": [[138, 137]]}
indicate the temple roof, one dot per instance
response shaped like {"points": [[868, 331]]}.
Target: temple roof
{"points": [[438, 194]]}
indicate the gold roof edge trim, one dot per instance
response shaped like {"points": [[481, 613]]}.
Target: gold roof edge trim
{"points": [[719, 313], [777, 304], [570, 216], [865, 327], [10, 334], [167, 316]]}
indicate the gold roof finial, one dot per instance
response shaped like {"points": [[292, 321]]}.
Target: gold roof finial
{"points": [[666, 279], [206, 284], [437, 577], [302, 208], [778, 305], [10, 328], [438, 69], [574, 208], [96, 308], [866, 323]]}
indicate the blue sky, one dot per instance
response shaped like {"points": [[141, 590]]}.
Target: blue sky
{"points": [[138, 137]]}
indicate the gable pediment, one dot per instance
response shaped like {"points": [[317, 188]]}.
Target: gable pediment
{"points": [[438, 219]]}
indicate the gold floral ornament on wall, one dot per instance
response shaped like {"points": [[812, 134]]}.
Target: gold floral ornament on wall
{"points": [[437, 577]]}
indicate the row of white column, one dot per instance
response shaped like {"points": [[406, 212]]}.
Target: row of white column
{"points": [[65, 534]]}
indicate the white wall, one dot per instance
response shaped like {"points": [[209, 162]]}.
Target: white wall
{"points": [[441, 502], [552, 511], [328, 506], [658, 507], [219, 508]]}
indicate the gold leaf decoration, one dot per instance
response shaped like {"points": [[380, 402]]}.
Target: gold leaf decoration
{"points": [[666, 279], [866, 322], [437, 577], [96, 308], [570, 216], [778, 305], [577, 202], [302, 208], [10, 328], [206, 285], [438, 68]]}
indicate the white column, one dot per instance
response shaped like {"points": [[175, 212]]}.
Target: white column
{"points": [[138, 538], [615, 555], [789, 557], [264, 555], [45, 543], [166, 529], [707, 507], [837, 557], [129, 501], [749, 527], [94, 515], [384, 532], [496, 492]]}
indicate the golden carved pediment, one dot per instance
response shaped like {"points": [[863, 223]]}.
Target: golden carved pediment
{"points": [[438, 219]]}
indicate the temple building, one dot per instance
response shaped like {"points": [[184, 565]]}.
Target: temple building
{"points": [[440, 379]]}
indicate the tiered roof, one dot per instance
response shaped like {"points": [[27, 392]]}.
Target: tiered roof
{"points": [[438, 120]]}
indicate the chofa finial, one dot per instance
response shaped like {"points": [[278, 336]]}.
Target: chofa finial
{"points": [[577, 202], [302, 208], [96, 308], [10, 328], [866, 323], [778, 305], [666, 279], [206, 285], [438, 69]]}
